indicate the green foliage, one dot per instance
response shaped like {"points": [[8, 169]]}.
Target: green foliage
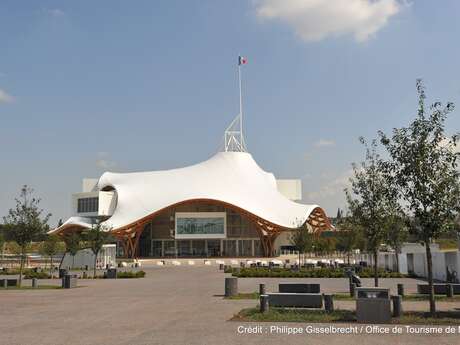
{"points": [[26, 223], [295, 315], [348, 316], [302, 239], [129, 274], [51, 246], [350, 236], [96, 237], [424, 165], [28, 273], [324, 272], [72, 243]]}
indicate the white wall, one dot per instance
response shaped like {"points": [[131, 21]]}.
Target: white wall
{"points": [[107, 256], [107, 203]]}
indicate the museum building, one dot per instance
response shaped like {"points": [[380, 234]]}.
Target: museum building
{"points": [[225, 206]]}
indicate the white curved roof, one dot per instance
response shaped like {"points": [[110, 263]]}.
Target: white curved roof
{"points": [[230, 177]]}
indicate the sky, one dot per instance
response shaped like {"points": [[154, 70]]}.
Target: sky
{"points": [[94, 86]]}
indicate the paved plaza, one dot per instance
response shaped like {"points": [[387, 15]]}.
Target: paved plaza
{"points": [[171, 305]]}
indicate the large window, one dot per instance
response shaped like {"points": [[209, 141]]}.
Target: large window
{"points": [[200, 225], [86, 205]]}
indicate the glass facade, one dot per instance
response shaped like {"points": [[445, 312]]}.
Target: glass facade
{"points": [[86, 205], [237, 236], [187, 226]]}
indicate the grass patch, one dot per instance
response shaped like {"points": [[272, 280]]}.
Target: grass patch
{"points": [[294, 315], [245, 295], [348, 316], [347, 297], [418, 297], [40, 287]]}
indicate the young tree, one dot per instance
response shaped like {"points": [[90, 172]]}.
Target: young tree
{"points": [[72, 243], [425, 165], [95, 238], [302, 240], [26, 223], [50, 247], [397, 234], [349, 237], [2, 243], [371, 200]]}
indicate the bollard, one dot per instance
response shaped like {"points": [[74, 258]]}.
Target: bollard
{"points": [[397, 305], [401, 290], [264, 304], [34, 283], [221, 267], [352, 289], [449, 290], [328, 303], [262, 289], [231, 286]]}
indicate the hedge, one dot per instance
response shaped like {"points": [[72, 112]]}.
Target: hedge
{"points": [[324, 272]]}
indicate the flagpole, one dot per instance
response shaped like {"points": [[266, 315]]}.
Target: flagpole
{"points": [[241, 102]]}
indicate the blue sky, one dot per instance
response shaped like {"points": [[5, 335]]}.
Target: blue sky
{"points": [[142, 85]]}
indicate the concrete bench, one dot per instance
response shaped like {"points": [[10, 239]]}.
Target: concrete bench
{"points": [[299, 300], [8, 282], [299, 288], [439, 289]]}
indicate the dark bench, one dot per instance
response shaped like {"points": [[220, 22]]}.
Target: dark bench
{"points": [[439, 289], [299, 300], [298, 288], [8, 282]]}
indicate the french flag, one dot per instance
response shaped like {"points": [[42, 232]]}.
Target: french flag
{"points": [[242, 60]]}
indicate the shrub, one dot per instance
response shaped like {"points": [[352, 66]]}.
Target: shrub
{"points": [[323, 272], [129, 274]]}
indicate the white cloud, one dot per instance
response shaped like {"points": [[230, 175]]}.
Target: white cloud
{"points": [[324, 143], [314, 20], [5, 97], [333, 187], [55, 12], [104, 162]]}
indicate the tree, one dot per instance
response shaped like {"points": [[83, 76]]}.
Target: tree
{"points": [[425, 165], [2, 243], [371, 200], [349, 237], [95, 238], [397, 234], [26, 223], [302, 240], [50, 247], [72, 243]]}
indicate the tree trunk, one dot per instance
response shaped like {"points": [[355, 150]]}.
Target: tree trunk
{"points": [[376, 268], [348, 258], [62, 260], [73, 261], [397, 262], [51, 266], [21, 266], [429, 263], [95, 260]]}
